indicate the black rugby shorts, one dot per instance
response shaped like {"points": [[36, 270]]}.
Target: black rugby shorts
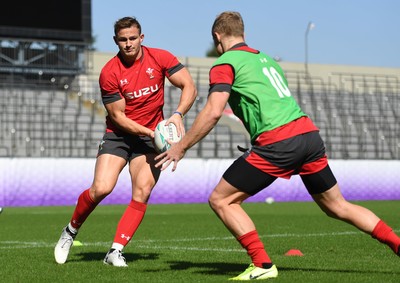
{"points": [[262, 165], [126, 146]]}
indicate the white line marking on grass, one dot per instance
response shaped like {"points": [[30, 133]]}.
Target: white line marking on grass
{"points": [[26, 245], [189, 249], [288, 235], [149, 244], [261, 236], [22, 245]]}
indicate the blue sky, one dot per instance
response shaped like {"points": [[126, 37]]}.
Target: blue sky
{"points": [[347, 32]]}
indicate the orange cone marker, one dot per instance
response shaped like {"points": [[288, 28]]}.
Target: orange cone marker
{"points": [[294, 253]]}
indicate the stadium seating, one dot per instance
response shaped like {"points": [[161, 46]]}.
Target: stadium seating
{"points": [[359, 117]]}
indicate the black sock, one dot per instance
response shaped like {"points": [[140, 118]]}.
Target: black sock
{"points": [[73, 235], [267, 265]]}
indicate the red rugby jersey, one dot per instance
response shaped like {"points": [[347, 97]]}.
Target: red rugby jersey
{"points": [[141, 85]]}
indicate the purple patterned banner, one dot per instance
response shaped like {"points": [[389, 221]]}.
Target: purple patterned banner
{"points": [[56, 181]]}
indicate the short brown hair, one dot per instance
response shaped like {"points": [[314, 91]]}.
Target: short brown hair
{"points": [[228, 23], [126, 22]]}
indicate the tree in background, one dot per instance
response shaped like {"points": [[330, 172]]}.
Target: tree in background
{"points": [[212, 51]]}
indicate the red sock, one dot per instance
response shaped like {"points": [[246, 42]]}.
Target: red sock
{"points": [[129, 222], [255, 248], [83, 208], [384, 234]]}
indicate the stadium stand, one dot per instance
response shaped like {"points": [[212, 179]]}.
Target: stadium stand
{"points": [[356, 109], [358, 116], [41, 122]]}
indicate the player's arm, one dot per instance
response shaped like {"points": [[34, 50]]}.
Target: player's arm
{"points": [[183, 80], [116, 112], [203, 124], [206, 120], [221, 80]]}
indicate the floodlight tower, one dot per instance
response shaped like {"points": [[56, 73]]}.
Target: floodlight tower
{"points": [[310, 26]]}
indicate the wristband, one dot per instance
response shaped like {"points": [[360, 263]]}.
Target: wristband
{"points": [[179, 113]]}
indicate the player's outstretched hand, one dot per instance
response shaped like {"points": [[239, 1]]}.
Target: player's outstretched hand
{"points": [[178, 122], [173, 154]]}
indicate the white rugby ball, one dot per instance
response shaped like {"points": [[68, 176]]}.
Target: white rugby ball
{"points": [[162, 133]]}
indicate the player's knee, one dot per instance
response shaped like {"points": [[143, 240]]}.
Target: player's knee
{"points": [[335, 211], [142, 193], [211, 202], [214, 201], [331, 213], [100, 191]]}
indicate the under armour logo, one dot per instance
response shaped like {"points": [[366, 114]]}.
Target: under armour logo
{"points": [[123, 82], [263, 60], [123, 236]]}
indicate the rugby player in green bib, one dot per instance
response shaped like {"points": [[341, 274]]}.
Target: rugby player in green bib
{"points": [[284, 141]]}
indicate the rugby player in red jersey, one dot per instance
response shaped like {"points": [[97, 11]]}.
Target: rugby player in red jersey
{"points": [[284, 141], [132, 91]]}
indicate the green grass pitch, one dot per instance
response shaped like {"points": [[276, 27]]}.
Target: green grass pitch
{"points": [[188, 243]]}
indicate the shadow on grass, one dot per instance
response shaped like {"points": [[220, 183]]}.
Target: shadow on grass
{"points": [[128, 256], [213, 268], [332, 270]]}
